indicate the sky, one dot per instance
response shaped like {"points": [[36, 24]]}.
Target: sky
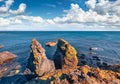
{"points": [[59, 15]]}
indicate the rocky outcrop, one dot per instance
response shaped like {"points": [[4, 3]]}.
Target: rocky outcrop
{"points": [[38, 62], [90, 75], [9, 69], [5, 63], [79, 74], [67, 71], [65, 55], [6, 57], [51, 44]]}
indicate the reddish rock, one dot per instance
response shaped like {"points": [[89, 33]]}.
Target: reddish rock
{"points": [[58, 81], [89, 75], [51, 44], [7, 68], [6, 57], [38, 62], [66, 62]]}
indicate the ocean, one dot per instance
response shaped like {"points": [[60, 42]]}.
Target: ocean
{"points": [[19, 42]]}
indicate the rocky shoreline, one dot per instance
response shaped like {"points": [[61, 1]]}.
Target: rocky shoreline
{"points": [[67, 67]]}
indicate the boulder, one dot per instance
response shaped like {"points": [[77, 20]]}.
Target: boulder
{"points": [[38, 62], [65, 55], [6, 57], [51, 44]]}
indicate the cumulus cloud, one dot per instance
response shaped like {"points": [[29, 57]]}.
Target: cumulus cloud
{"points": [[20, 19], [102, 14], [20, 10], [104, 7], [7, 22], [5, 8], [36, 19], [103, 11]]}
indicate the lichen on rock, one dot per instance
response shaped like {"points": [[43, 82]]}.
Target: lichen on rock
{"points": [[65, 55], [38, 62], [65, 59]]}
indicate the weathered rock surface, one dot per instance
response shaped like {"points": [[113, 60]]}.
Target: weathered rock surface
{"points": [[79, 74], [67, 71], [90, 75], [65, 55], [38, 62], [51, 44], [6, 57], [9, 69]]}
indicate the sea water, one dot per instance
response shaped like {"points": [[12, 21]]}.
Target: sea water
{"points": [[18, 42], [106, 45]]}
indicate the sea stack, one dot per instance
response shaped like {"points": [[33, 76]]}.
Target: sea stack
{"points": [[65, 55], [38, 62]]}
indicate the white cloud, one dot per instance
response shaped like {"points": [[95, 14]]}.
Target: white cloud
{"points": [[10, 21], [20, 20], [103, 15], [6, 11], [5, 8], [20, 10], [30, 18], [77, 15], [91, 3], [105, 7]]}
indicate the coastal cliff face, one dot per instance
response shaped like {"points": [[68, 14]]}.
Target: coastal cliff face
{"points": [[38, 62], [67, 71], [65, 55]]}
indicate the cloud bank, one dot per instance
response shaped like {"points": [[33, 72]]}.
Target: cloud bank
{"points": [[102, 15]]}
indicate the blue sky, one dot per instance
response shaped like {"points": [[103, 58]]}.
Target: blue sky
{"points": [[59, 15], [48, 8]]}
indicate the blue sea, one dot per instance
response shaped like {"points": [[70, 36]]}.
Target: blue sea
{"points": [[18, 42]]}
